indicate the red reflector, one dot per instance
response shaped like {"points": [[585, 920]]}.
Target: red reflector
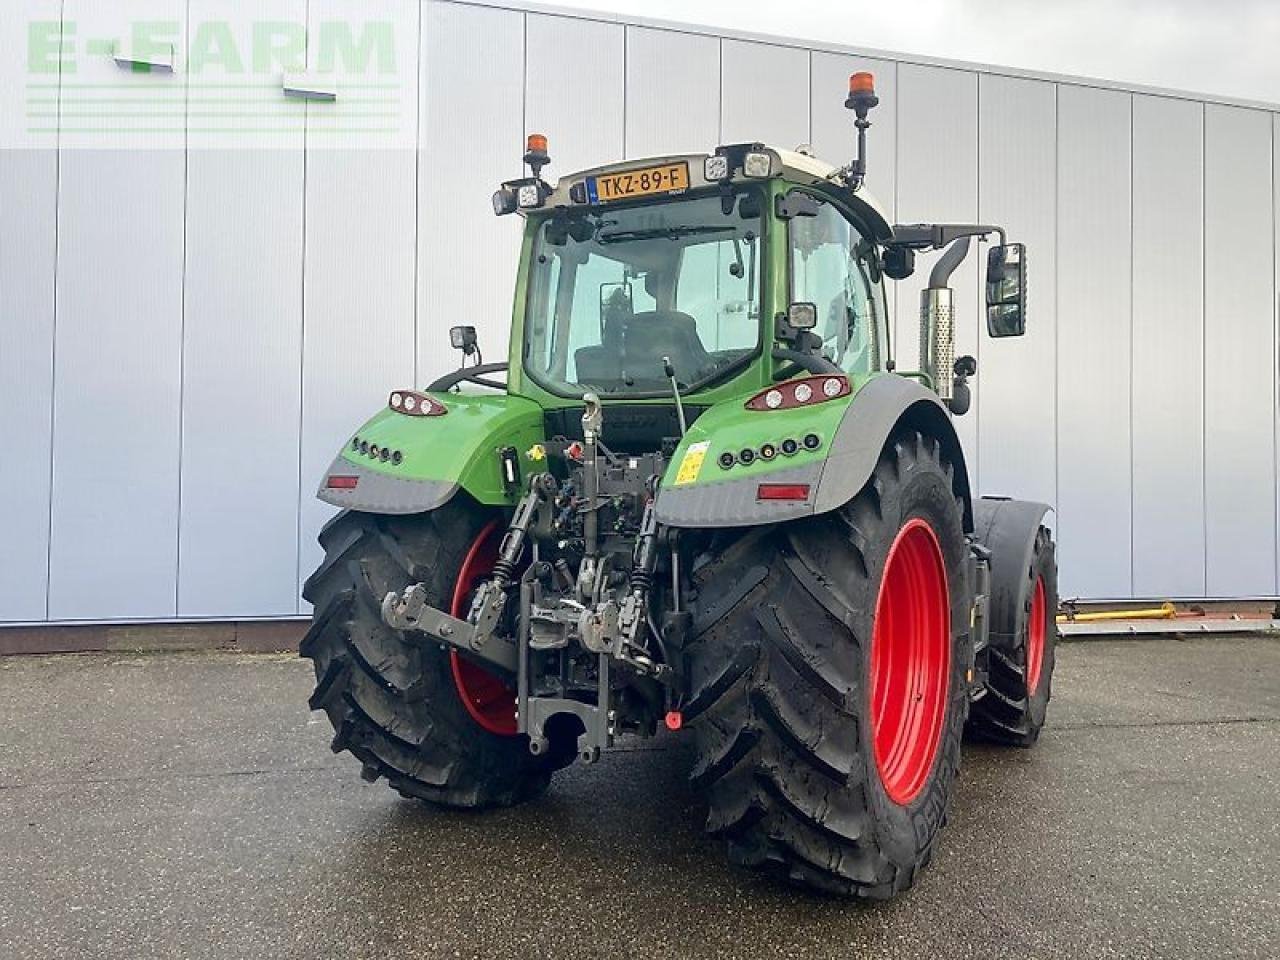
{"points": [[674, 719], [336, 482], [782, 491]]}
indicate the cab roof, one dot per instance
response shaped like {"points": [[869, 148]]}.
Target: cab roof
{"points": [[788, 165]]}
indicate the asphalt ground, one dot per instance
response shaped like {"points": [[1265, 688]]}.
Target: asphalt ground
{"points": [[188, 806]]}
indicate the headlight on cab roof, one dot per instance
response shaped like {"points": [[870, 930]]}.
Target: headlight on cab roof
{"points": [[756, 165], [504, 201], [529, 196]]}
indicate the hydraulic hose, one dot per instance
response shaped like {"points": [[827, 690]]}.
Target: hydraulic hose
{"points": [[807, 361]]}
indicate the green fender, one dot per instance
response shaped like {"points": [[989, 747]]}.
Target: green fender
{"points": [[853, 435], [438, 455]]}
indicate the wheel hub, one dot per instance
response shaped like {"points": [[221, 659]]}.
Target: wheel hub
{"points": [[910, 661], [1035, 637], [487, 699]]}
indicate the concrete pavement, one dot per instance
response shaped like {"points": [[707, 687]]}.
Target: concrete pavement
{"points": [[188, 806]]}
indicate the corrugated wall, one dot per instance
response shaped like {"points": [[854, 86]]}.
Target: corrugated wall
{"points": [[191, 321]]}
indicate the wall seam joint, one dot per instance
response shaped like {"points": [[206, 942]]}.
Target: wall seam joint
{"points": [[1204, 343], [417, 200], [1132, 311], [182, 315], [302, 334], [53, 333]]}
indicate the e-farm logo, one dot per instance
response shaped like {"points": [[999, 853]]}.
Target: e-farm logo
{"points": [[249, 81]]}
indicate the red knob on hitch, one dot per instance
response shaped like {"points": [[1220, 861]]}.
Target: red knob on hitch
{"points": [[674, 719]]}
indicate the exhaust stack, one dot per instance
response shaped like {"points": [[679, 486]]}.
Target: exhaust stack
{"points": [[937, 321]]}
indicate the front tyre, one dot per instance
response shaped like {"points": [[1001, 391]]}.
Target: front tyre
{"points": [[1024, 639], [829, 698], [437, 729]]}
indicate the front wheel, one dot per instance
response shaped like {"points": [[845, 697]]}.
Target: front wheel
{"points": [[1024, 640], [830, 698]]}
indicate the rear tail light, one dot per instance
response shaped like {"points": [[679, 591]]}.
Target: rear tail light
{"points": [[337, 482], [803, 392], [782, 491], [414, 404]]}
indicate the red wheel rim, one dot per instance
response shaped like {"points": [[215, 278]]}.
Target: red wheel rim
{"points": [[910, 661], [489, 701], [1035, 637]]}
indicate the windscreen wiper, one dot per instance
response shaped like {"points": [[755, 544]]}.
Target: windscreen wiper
{"points": [[668, 233]]}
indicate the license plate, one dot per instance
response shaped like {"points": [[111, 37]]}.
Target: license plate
{"points": [[668, 178]]}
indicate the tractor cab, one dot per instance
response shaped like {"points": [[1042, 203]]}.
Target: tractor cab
{"points": [[703, 273]]}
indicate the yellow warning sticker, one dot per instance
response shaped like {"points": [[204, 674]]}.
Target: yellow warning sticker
{"points": [[692, 462]]}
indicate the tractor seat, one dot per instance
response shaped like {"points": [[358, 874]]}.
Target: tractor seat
{"points": [[635, 346]]}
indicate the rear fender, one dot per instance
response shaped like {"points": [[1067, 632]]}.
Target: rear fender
{"points": [[883, 405], [437, 455]]}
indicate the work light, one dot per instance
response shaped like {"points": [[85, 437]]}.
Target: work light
{"points": [[504, 201], [756, 165], [529, 196], [715, 168]]}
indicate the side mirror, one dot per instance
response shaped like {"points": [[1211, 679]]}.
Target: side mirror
{"points": [[899, 262], [464, 339], [1007, 290], [797, 203]]}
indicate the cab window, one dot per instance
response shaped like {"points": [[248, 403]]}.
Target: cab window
{"points": [[832, 267]]}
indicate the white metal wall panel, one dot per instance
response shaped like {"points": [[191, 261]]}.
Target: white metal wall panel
{"points": [[833, 136], [28, 201], [673, 92], [472, 67], [1168, 356], [938, 182], [316, 277], [574, 90], [1094, 342], [1239, 353], [764, 94], [1017, 154], [242, 340], [114, 530], [358, 299]]}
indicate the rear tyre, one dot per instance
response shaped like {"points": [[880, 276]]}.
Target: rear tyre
{"points": [[436, 731], [827, 691], [1012, 709]]}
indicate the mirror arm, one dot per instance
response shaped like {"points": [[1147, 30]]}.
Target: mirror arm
{"points": [[925, 236]]}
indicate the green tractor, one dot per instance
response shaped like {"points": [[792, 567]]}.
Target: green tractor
{"points": [[702, 498]]}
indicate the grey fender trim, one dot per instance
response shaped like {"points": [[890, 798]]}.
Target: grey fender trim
{"points": [[875, 411], [382, 493], [733, 503], [1008, 529]]}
